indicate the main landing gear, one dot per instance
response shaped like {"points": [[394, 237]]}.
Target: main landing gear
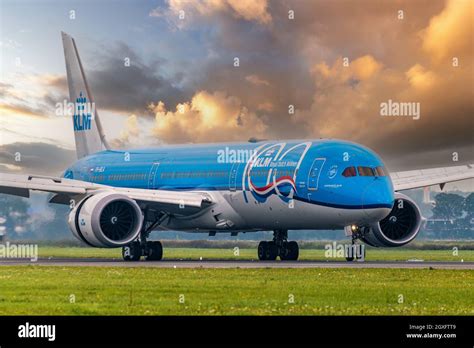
{"points": [[279, 246], [151, 250]]}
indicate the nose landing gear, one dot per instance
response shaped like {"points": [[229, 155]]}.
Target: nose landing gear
{"points": [[357, 251], [279, 246]]}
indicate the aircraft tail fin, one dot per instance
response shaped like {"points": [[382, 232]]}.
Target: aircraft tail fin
{"points": [[88, 131]]}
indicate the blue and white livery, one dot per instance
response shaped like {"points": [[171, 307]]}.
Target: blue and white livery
{"points": [[119, 197]]}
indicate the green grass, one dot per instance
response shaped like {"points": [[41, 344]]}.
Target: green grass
{"points": [[41, 290], [391, 254], [36, 290]]}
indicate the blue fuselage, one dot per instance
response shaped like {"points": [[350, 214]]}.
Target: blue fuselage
{"points": [[330, 173]]}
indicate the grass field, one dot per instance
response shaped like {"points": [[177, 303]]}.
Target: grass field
{"points": [[41, 290], [36, 290], [391, 254]]}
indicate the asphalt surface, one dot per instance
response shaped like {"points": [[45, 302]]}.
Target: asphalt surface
{"points": [[102, 262]]}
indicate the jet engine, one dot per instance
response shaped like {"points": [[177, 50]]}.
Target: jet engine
{"points": [[106, 220], [400, 227]]}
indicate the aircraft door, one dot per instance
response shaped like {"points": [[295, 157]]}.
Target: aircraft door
{"points": [[315, 173], [152, 184], [233, 176]]}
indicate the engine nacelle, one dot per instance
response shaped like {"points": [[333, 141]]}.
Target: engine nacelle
{"points": [[106, 220], [400, 227]]}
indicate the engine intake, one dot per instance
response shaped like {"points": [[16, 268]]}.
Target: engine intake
{"points": [[106, 220], [400, 227]]}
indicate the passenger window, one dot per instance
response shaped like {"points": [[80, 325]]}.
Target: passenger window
{"points": [[365, 171], [381, 171], [349, 171]]}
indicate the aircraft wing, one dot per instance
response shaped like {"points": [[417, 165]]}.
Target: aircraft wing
{"points": [[428, 177], [66, 189]]}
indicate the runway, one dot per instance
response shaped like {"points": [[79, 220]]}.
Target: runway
{"points": [[102, 262]]}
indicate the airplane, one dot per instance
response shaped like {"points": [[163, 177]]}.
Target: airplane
{"points": [[118, 197]]}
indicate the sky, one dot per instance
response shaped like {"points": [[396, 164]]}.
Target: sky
{"points": [[332, 63]]}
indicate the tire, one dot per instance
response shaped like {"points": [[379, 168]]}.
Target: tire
{"points": [[272, 251], [290, 251], [293, 251], [155, 251], [362, 257], [262, 251], [285, 252], [132, 252], [350, 259]]}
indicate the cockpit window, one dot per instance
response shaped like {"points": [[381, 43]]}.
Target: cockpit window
{"points": [[349, 171], [365, 171], [381, 171]]}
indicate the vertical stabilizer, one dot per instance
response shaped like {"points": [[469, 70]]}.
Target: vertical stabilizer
{"points": [[88, 132]]}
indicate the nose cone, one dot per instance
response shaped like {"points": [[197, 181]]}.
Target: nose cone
{"points": [[377, 199]]}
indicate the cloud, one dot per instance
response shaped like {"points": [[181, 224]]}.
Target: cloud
{"points": [[208, 117], [362, 68], [256, 80], [346, 105], [4, 87], [249, 10], [365, 67], [20, 109], [115, 86], [298, 63], [131, 135], [265, 106], [421, 78], [122, 88], [26, 95], [450, 34], [129, 131], [35, 158], [55, 81], [9, 44]]}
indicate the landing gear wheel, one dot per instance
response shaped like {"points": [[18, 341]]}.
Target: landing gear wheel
{"points": [[361, 257], [154, 251], [272, 251], [284, 252], [278, 247], [132, 251], [261, 250], [350, 256], [267, 251], [290, 251]]}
